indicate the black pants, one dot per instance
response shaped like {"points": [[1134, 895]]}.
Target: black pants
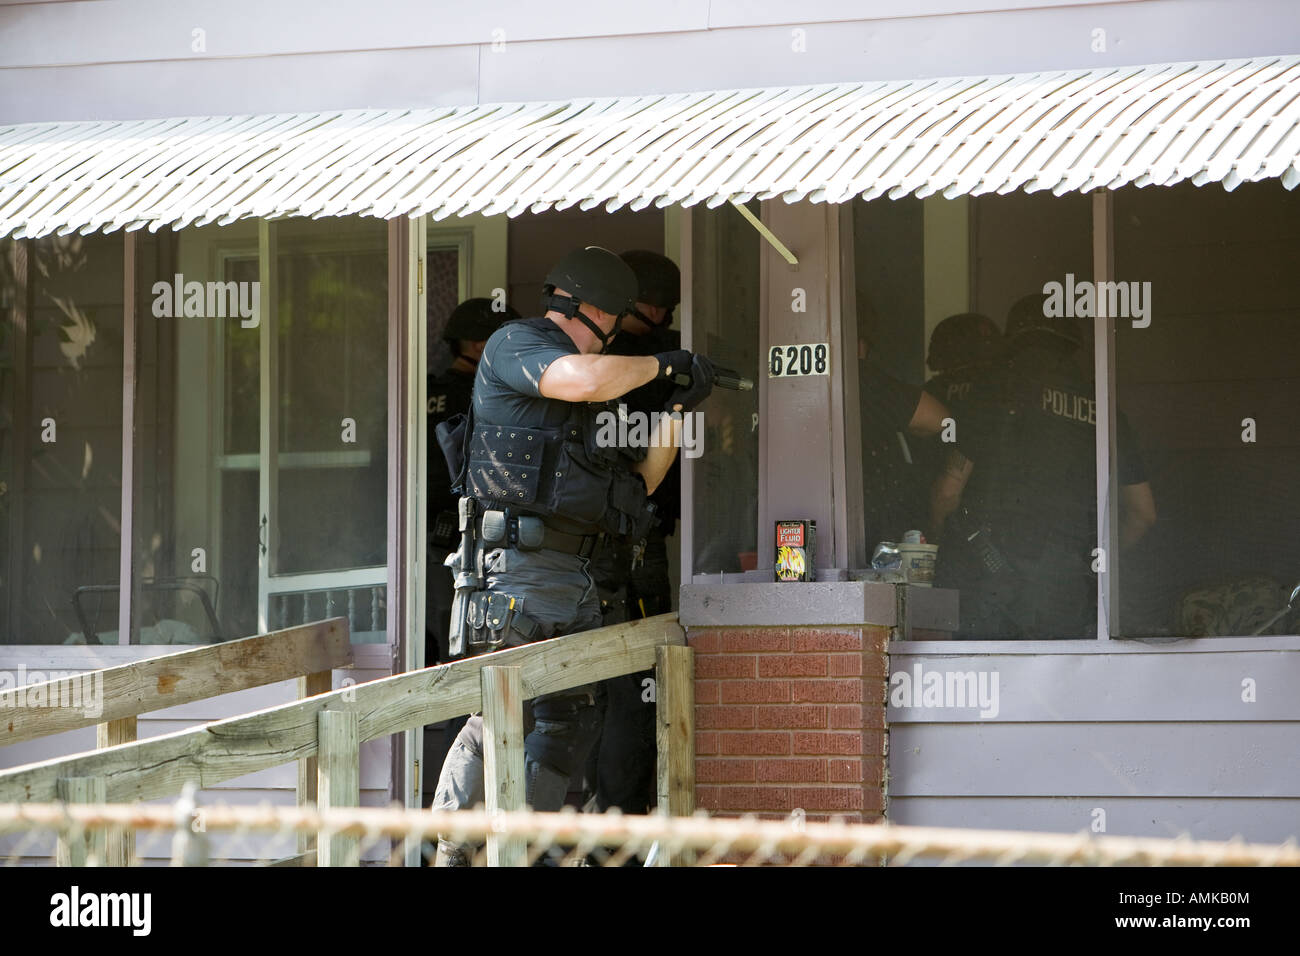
{"points": [[621, 771]]}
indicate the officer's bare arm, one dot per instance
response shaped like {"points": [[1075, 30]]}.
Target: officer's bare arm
{"points": [[946, 494], [928, 417], [659, 456], [596, 378], [1137, 512]]}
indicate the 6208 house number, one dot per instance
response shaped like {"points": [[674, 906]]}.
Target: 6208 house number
{"points": [[786, 360]]}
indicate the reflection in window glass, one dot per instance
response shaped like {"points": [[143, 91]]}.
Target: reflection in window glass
{"points": [[61, 439], [724, 317], [332, 401], [1212, 384], [196, 438], [993, 461]]}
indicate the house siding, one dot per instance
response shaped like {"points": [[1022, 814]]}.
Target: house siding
{"points": [[1192, 737], [68, 61]]}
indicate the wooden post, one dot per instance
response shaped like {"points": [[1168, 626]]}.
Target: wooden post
{"points": [[321, 682], [74, 849], [503, 756], [119, 844], [339, 780], [675, 736]]}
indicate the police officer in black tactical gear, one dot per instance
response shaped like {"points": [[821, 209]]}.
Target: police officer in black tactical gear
{"points": [[543, 490], [632, 576], [468, 328], [1017, 498], [963, 348], [893, 415]]}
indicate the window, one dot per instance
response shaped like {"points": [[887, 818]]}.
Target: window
{"points": [[724, 326], [924, 268], [60, 439], [1204, 298], [1209, 373], [261, 430]]}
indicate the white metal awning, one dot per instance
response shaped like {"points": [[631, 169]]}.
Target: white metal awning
{"points": [[1222, 121]]}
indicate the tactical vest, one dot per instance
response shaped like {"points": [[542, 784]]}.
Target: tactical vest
{"points": [[560, 472], [1036, 490]]}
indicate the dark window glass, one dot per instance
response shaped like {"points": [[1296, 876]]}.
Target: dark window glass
{"points": [[724, 318], [982, 443], [61, 438], [1212, 384]]}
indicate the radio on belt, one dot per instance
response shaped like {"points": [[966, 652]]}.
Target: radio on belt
{"points": [[796, 548]]}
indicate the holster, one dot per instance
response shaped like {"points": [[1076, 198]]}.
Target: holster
{"points": [[468, 579]]}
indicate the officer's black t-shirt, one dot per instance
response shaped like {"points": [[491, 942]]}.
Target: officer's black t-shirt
{"points": [[506, 391]]}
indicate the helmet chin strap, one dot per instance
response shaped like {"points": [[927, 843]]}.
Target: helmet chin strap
{"points": [[568, 306]]}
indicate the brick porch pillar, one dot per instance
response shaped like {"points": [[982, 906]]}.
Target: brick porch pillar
{"points": [[790, 715]]}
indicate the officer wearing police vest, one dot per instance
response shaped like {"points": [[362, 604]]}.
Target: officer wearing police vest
{"points": [[468, 328], [1016, 502], [466, 333], [540, 491]]}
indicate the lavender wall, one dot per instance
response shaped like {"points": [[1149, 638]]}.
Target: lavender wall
{"points": [[134, 59]]}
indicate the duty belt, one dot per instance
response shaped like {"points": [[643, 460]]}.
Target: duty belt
{"points": [[583, 545]]}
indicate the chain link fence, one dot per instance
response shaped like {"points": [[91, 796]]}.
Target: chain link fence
{"points": [[185, 834]]}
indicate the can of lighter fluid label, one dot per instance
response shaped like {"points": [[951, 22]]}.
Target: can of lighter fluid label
{"points": [[796, 547]]}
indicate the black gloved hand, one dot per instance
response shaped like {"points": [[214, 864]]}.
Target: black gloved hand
{"points": [[677, 362], [688, 396]]}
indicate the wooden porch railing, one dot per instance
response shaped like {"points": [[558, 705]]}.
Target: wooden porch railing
{"points": [[308, 652], [330, 727]]}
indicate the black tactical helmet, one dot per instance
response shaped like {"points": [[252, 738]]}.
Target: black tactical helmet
{"points": [[659, 281], [596, 276], [968, 338], [474, 320], [1028, 321]]}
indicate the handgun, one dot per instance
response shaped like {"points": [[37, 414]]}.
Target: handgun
{"points": [[722, 378]]}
